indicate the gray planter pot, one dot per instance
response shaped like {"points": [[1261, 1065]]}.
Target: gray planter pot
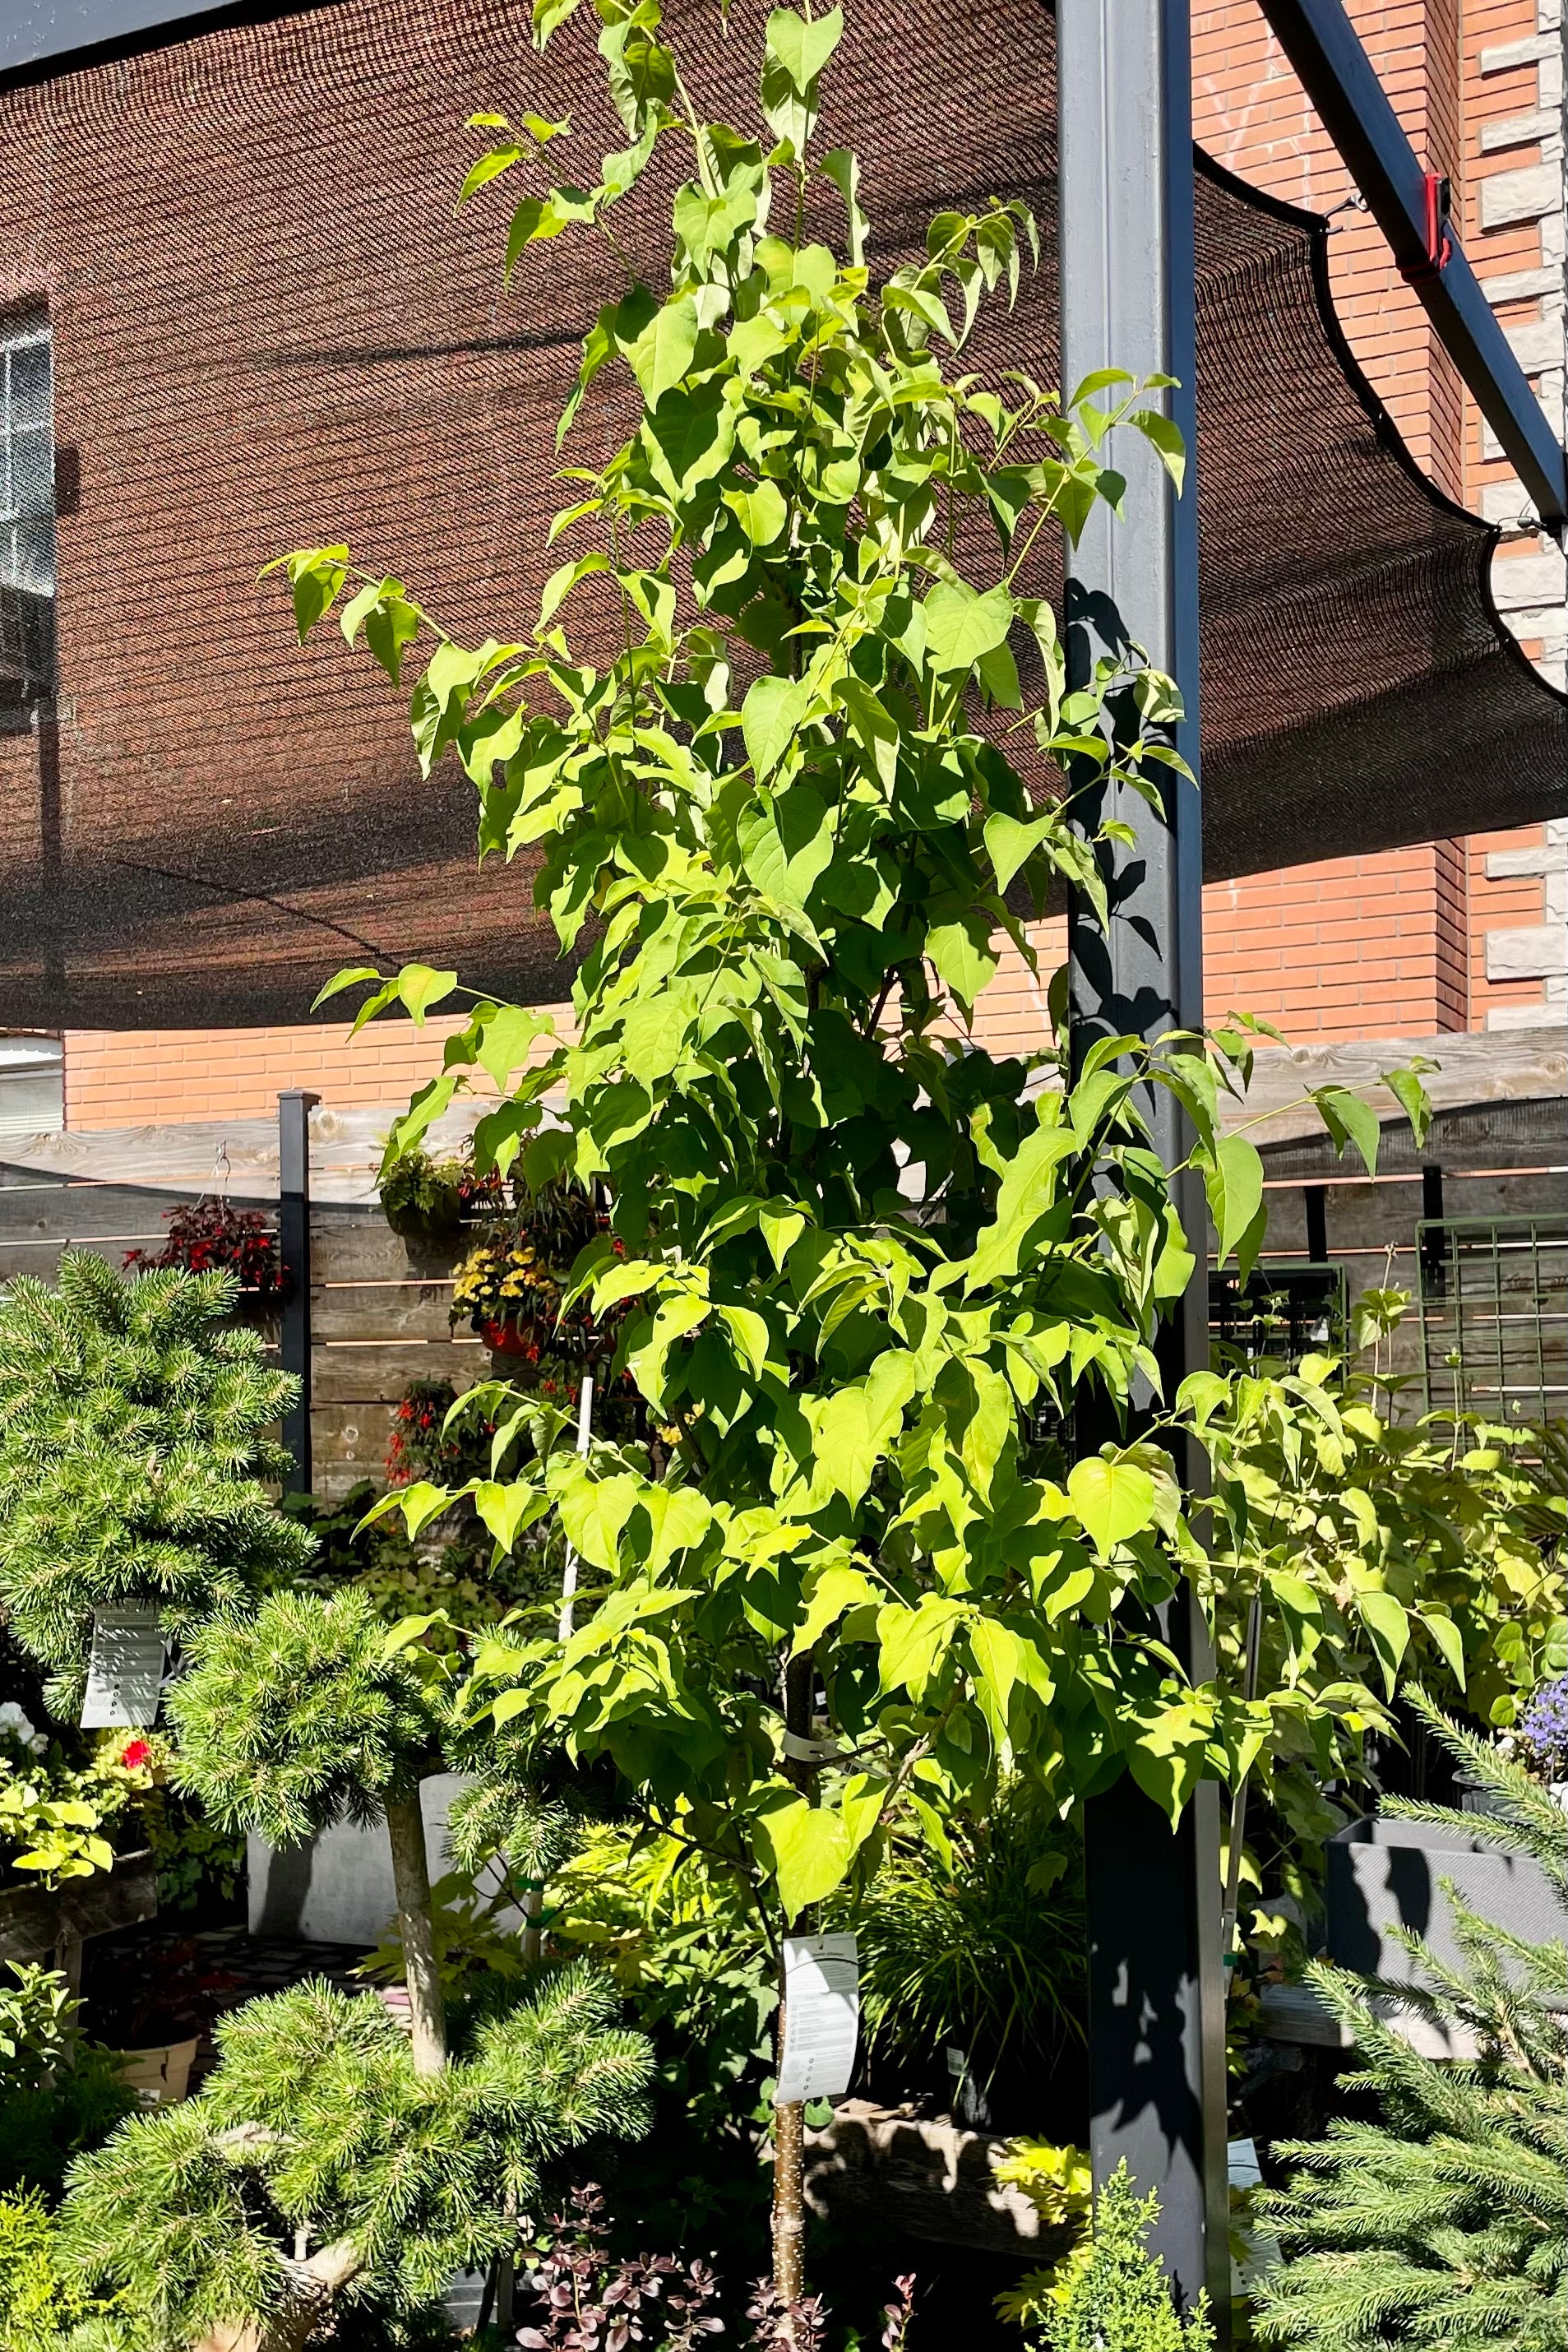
{"points": [[1387, 1874], [338, 1888]]}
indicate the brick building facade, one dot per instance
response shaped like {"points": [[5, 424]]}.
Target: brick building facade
{"points": [[1440, 937]]}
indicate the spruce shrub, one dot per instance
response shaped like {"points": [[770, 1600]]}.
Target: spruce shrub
{"points": [[134, 1421]]}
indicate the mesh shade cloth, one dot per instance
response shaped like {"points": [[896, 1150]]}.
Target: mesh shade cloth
{"points": [[270, 331]]}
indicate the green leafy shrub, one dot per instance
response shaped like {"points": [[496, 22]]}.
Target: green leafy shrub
{"points": [[196, 1861], [680, 1945], [60, 1819], [1113, 2296], [39, 2028], [57, 2095], [976, 1943], [1367, 1553], [451, 1575], [133, 1421], [1444, 2223], [318, 2175]]}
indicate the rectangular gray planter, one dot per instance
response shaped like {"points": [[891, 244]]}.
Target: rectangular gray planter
{"points": [[338, 1888], [38, 1920], [1387, 1874]]}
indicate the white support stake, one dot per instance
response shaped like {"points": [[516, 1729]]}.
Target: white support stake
{"points": [[584, 1431]]}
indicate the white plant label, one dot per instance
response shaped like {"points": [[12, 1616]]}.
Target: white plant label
{"points": [[821, 2018], [125, 1673]]}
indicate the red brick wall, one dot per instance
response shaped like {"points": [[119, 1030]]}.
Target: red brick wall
{"points": [[124, 1079]]}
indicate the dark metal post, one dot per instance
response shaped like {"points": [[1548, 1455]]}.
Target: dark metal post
{"points": [[294, 1110], [1316, 1197], [1433, 1257], [1156, 2018]]}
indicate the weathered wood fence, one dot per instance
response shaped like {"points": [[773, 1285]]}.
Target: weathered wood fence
{"points": [[379, 1305]]}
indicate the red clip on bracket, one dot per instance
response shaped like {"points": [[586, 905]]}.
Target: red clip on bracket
{"points": [[1440, 241]]}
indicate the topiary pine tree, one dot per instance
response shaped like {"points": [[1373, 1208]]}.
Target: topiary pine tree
{"points": [[294, 1718], [133, 1421], [320, 2186], [1445, 2224], [1115, 2297]]}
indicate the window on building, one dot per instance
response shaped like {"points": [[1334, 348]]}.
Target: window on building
{"points": [[32, 1085], [27, 520]]}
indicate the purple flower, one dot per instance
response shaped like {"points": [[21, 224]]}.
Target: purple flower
{"points": [[1544, 1730]]}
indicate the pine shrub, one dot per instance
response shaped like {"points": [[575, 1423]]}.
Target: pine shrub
{"points": [[133, 1439], [293, 1717], [297, 1718], [1443, 2224], [319, 2178]]}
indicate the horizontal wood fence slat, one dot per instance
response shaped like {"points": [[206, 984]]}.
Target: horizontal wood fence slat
{"points": [[380, 1370], [412, 1311], [381, 1302]]}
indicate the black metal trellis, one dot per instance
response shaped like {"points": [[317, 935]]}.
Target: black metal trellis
{"points": [[1494, 1316], [1280, 1314]]}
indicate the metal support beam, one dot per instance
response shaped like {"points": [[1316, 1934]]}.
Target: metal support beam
{"points": [[294, 1109], [1338, 77], [1156, 2018]]}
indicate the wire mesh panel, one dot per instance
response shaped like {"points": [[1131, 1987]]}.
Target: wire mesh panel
{"points": [[1494, 1316]]}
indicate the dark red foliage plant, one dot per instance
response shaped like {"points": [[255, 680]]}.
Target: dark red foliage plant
{"points": [[210, 1236], [590, 2302]]}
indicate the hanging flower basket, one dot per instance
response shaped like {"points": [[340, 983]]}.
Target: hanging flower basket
{"points": [[510, 1288], [430, 1200], [210, 1236]]}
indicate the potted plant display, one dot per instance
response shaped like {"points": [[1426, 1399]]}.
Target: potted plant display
{"points": [[74, 1856]]}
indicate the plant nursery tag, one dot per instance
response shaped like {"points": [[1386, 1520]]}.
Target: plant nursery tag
{"points": [[822, 2017], [125, 1673]]}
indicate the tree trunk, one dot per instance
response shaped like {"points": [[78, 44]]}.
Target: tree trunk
{"points": [[788, 2186], [315, 2285], [410, 1877]]}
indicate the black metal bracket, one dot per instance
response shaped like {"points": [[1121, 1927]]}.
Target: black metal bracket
{"points": [[1407, 202]]}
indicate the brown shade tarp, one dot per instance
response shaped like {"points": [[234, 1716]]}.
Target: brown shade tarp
{"points": [[270, 330]]}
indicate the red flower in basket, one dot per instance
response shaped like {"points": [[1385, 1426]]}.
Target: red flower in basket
{"points": [[135, 1754]]}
